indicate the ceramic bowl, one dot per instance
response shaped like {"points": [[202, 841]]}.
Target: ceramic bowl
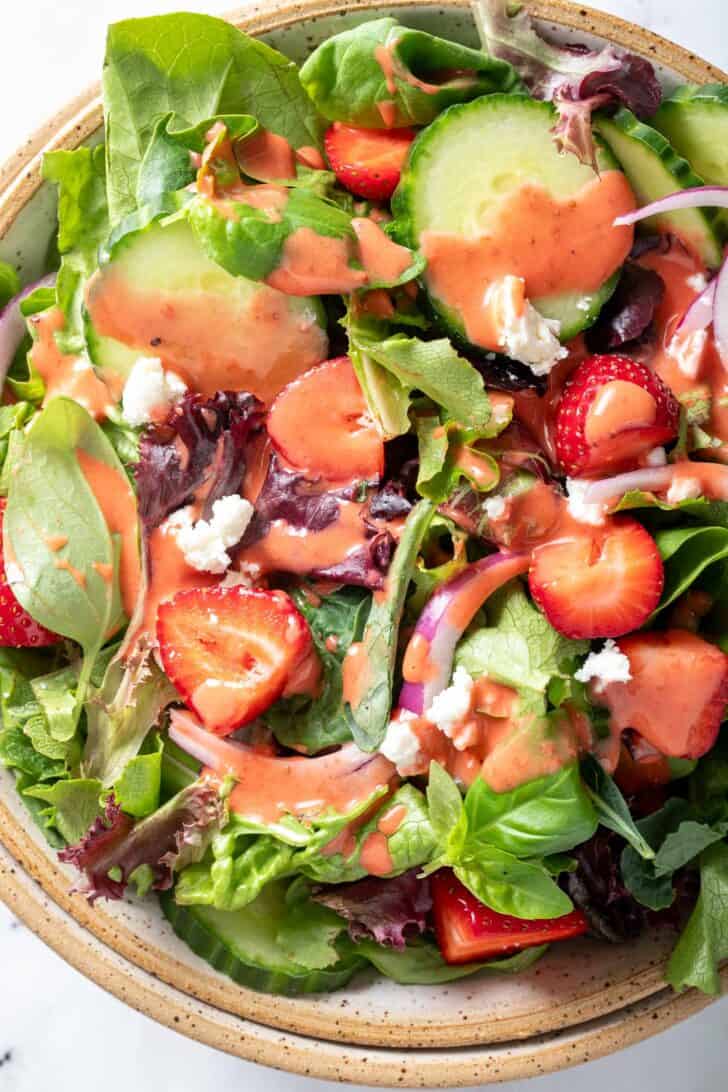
{"points": [[582, 1000]]}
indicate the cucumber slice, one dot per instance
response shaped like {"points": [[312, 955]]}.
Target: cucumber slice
{"points": [[212, 324], [654, 170], [472, 155], [242, 944], [695, 121]]}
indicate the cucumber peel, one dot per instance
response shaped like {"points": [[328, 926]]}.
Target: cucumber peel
{"points": [[654, 170]]}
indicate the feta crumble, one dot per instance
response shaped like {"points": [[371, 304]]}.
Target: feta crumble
{"points": [[206, 542], [149, 387], [582, 511], [494, 507], [687, 351], [526, 336], [698, 282], [683, 489], [452, 705], [609, 665], [400, 744], [656, 457]]}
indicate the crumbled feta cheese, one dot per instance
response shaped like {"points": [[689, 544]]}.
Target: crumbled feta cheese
{"points": [[525, 334], [698, 282], [582, 511], [656, 457], [400, 744], [494, 507], [206, 542], [609, 665], [452, 705], [683, 489], [149, 387], [247, 574], [687, 350]]}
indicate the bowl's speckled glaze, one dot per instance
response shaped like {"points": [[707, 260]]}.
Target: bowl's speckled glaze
{"points": [[583, 1000]]}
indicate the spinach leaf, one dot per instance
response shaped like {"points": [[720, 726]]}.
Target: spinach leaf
{"points": [[611, 806], [433, 367], [508, 885], [639, 874], [377, 651], [321, 722], [687, 552], [193, 67], [422, 964], [544, 816], [347, 75], [9, 283], [686, 843], [704, 942], [83, 225], [518, 647], [49, 496]]}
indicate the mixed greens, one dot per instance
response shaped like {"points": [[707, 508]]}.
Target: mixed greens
{"points": [[365, 503]]}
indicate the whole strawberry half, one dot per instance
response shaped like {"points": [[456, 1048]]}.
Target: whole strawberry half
{"points": [[612, 410], [367, 162], [17, 628], [230, 652]]}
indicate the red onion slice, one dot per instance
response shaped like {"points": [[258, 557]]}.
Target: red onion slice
{"points": [[12, 324], [696, 198], [699, 314], [649, 479], [444, 620], [720, 313]]}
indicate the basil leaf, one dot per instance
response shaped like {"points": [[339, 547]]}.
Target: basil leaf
{"points": [[509, 886], [541, 817], [378, 648], [444, 801], [611, 806], [195, 67], [687, 552]]}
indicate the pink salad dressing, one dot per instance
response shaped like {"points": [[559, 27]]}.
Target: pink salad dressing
{"points": [[66, 374]]}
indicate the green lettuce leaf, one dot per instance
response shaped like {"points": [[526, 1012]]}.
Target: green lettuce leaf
{"points": [[448, 453], [687, 552], [137, 791], [9, 283], [518, 647], [421, 964], [74, 805], [317, 723], [307, 930], [612, 808], [704, 942], [653, 889], [369, 717], [193, 67], [347, 82]]}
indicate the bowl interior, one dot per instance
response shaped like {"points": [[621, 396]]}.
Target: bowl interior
{"points": [[574, 983]]}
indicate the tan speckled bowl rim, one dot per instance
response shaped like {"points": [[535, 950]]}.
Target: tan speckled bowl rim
{"points": [[19, 180]]}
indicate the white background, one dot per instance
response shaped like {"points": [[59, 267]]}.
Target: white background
{"points": [[62, 1033]]}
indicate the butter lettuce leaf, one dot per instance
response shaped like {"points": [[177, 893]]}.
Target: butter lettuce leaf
{"points": [[704, 943]]}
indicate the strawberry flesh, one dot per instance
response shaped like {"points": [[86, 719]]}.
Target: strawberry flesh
{"points": [[600, 583], [367, 162], [231, 651], [467, 930], [678, 693], [596, 433], [17, 628], [320, 424]]}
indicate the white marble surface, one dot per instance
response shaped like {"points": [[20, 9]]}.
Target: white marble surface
{"points": [[60, 1032]]}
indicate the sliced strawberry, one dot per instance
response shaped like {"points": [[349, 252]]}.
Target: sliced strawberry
{"points": [[641, 768], [601, 583], [17, 628], [231, 651], [320, 424], [367, 162], [612, 410], [467, 930], [678, 693]]}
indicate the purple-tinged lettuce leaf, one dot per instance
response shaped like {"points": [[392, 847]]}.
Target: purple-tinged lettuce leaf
{"points": [[173, 837], [576, 79], [386, 911], [630, 311], [201, 444], [597, 889]]}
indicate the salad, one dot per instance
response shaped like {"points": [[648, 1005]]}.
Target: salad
{"points": [[364, 587]]}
